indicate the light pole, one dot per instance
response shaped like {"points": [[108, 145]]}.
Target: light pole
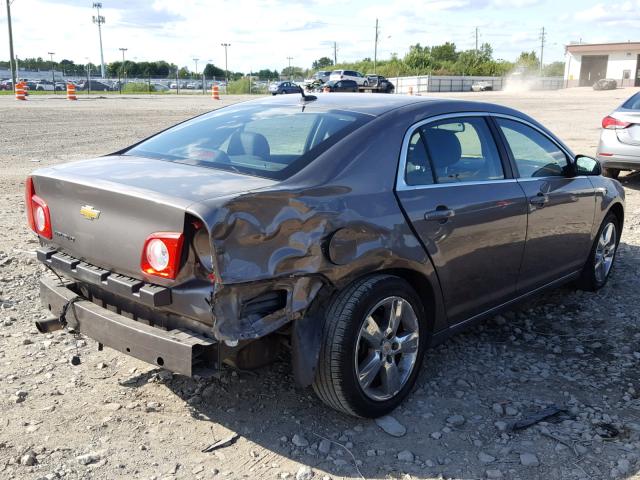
{"points": [[196, 60], [122, 69], [226, 68], [53, 72], [99, 20], [12, 61], [289, 58]]}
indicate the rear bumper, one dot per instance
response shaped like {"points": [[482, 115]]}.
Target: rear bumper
{"points": [[178, 350], [623, 162]]}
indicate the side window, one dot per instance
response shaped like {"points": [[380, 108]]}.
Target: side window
{"points": [[418, 170], [535, 154], [462, 150]]}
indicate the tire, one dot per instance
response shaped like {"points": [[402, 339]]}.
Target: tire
{"points": [[591, 279], [611, 172], [365, 84], [344, 350]]}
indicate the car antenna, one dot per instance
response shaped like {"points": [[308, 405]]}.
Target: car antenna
{"points": [[306, 98]]}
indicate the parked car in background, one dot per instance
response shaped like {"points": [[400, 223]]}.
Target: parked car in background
{"points": [[380, 83], [482, 86], [48, 86], [96, 86], [280, 88], [605, 84], [619, 147], [357, 77], [352, 232], [322, 75], [340, 86], [159, 87]]}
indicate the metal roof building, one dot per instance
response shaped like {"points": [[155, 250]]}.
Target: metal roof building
{"points": [[586, 63]]}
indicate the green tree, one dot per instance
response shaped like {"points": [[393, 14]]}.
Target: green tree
{"points": [[321, 63], [444, 53], [211, 71], [528, 61], [555, 69]]}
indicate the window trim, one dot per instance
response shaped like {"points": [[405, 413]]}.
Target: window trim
{"points": [[401, 183], [501, 145]]}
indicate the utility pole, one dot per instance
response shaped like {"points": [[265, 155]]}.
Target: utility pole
{"points": [[12, 61], [53, 72], [290, 58], [226, 69], [543, 34], [375, 50], [476, 39], [99, 20], [122, 69], [335, 53], [196, 60]]}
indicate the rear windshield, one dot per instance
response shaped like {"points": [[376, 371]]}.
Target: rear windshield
{"points": [[633, 103], [266, 141]]}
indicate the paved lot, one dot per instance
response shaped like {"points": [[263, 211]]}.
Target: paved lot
{"points": [[115, 417]]}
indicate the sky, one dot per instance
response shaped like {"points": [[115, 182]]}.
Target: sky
{"points": [[264, 33]]}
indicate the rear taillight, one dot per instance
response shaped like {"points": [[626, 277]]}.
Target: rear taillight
{"points": [[611, 123], [161, 254], [38, 214]]}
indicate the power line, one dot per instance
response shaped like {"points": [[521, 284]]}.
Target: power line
{"points": [[289, 58], [12, 60], [543, 35], [375, 49], [99, 20]]}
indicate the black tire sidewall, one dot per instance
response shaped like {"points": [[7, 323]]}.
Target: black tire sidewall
{"points": [[590, 281], [363, 405]]}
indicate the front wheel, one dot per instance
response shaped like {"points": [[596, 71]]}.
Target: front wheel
{"points": [[373, 344], [603, 253], [365, 84]]}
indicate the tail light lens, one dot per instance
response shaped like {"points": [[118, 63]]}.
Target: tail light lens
{"points": [[161, 254], [38, 214], [611, 123]]}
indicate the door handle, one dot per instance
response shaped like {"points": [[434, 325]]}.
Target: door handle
{"points": [[441, 214], [539, 200]]}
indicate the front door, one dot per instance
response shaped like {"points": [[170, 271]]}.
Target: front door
{"points": [[561, 209], [470, 215]]}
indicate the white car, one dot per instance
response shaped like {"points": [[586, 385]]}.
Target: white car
{"points": [[357, 77]]}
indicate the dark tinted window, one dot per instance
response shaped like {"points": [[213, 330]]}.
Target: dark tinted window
{"points": [[535, 154], [272, 142], [633, 103]]}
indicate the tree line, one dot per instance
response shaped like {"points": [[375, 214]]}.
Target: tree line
{"points": [[443, 59]]}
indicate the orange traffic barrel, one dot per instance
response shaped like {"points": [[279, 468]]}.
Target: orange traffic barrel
{"points": [[21, 91], [215, 92], [71, 91]]}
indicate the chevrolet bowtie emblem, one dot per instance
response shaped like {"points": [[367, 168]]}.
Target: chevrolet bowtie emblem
{"points": [[90, 213]]}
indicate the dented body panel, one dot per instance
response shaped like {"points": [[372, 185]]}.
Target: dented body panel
{"points": [[277, 249]]}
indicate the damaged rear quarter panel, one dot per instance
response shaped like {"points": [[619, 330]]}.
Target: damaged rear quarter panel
{"points": [[332, 222]]}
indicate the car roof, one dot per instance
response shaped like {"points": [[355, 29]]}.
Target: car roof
{"points": [[379, 104]]}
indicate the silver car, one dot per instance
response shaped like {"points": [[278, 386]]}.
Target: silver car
{"points": [[619, 147]]}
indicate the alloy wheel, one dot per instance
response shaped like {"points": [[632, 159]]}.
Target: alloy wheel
{"points": [[387, 348], [605, 252]]}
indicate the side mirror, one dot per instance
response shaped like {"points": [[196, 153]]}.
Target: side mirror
{"points": [[585, 165]]}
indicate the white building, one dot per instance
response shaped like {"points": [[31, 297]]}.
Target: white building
{"points": [[585, 63]]}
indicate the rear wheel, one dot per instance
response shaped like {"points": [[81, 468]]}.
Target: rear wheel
{"points": [[611, 172], [373, 344], [603, 253]]}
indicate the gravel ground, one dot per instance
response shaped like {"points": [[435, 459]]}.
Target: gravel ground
{"points": [[116, 417]]}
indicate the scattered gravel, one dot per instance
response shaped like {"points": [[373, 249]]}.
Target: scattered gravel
{"points": [[126, 419]]}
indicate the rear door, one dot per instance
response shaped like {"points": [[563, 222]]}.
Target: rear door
{"points": [[471, 215], [561, 209]]}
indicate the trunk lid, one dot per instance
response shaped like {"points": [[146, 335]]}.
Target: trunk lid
{"points": [[102, 210], [631, 134]]}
